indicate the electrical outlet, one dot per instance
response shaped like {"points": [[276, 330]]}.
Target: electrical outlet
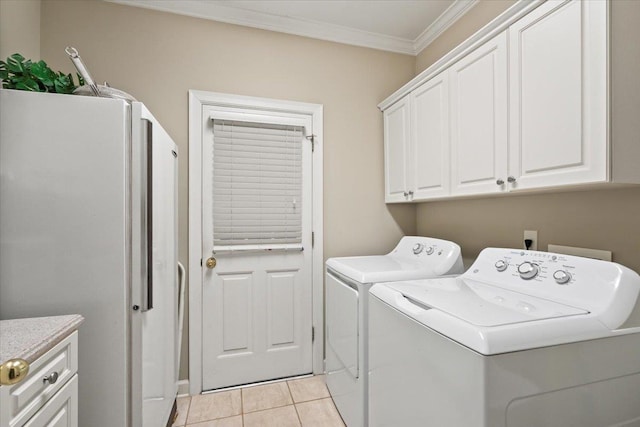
{"points": [[533, 235]]}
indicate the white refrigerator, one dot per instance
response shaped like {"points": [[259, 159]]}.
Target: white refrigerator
{"points": [[88, 225]]}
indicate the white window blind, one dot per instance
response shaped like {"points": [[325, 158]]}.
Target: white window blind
{"points": [[257, 186]]}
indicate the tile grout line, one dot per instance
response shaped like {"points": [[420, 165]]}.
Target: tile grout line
{"points": [[295, 408], [186, 418], [242, 406]]}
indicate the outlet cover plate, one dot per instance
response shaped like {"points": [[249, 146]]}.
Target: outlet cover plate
{"points": [[583, 252]]}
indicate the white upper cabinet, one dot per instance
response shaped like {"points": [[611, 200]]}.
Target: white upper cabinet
{"points": [[558, 95], [479, 119], [430, 138], [396, 151], [543, 97]]}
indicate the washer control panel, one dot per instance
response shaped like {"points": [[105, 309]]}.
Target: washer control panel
{"points": [[576, 281], [536, 266]]}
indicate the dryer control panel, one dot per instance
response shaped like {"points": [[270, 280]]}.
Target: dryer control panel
{"points": [[589, 284], [417, 247]]}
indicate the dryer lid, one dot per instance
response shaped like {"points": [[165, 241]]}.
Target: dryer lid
{"points": [[414, 257], [480, 304], [380, 268]]}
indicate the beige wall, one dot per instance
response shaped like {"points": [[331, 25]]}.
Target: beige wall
{"points": [[158, 57], [20, 28], [480, 15], [598, 219], [602, 219]]}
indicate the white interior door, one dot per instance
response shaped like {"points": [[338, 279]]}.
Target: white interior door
{"points": [[257, 222]]}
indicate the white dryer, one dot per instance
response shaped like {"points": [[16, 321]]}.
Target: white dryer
{"points": [[522, 339], [347, 291]]}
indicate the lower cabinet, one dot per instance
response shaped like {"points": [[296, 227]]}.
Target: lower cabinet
{"points": [[61, 410], [48, 395]]}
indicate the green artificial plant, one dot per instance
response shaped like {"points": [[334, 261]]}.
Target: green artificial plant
{"points": [[23, 74]]}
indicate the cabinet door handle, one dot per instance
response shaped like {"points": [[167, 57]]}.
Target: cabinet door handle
{"points": [[511, 179], [405, 194], [410, 193], [499, 181], [51, 378]]}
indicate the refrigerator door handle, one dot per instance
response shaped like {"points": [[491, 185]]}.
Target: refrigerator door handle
{"points": [[147, 301]]}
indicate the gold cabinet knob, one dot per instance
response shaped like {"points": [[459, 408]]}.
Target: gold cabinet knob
{"points": [[13, 371], [211, 262]]}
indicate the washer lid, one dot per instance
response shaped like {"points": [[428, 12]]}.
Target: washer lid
{"points": [[480, 304], [380, 268]]}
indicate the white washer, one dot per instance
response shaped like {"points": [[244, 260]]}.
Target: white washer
{"points": [[347, 285], [521, 339]]}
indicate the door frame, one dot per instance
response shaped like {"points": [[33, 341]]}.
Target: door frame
{"points": [[197, 101]]}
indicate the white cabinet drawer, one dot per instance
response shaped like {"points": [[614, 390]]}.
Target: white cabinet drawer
{"points": [[21, 401], [61, 410]]}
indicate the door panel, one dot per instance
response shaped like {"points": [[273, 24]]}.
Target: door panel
{"points": [[257, 301], [281, 289], [236, 311], [558, 87], [396, 146], [430, 128], [479, 119]]}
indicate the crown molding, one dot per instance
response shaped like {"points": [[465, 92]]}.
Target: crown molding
{"points": [[440, 25], [305, 27], [499, 24]]}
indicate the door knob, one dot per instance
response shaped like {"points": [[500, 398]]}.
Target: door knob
{"points": [[13, 371], [211, 262]]}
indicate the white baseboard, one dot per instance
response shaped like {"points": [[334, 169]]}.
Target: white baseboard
{"points": [[183, 388]]}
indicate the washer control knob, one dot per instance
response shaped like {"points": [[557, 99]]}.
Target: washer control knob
{"points": [[501, 265], [417, 248], [528, 270], [429, 250], [562, 277]]}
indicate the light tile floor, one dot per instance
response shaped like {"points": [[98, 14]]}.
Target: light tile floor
{"points": [[304, 402]]}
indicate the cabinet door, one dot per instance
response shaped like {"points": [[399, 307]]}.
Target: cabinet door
{"points": [[479, 119], [558, 69], [61, 410], [396, 151], [430, 138]]}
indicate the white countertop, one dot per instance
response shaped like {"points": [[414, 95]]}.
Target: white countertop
{"points": [[29, 338]]}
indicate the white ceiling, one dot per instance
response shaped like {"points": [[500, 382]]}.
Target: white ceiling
{"points": [[404, 26]]}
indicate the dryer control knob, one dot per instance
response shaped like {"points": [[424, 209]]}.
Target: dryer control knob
{"points": [[528, 270], [417, 248], [562, 277], [429, 250], [501, 265]]}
